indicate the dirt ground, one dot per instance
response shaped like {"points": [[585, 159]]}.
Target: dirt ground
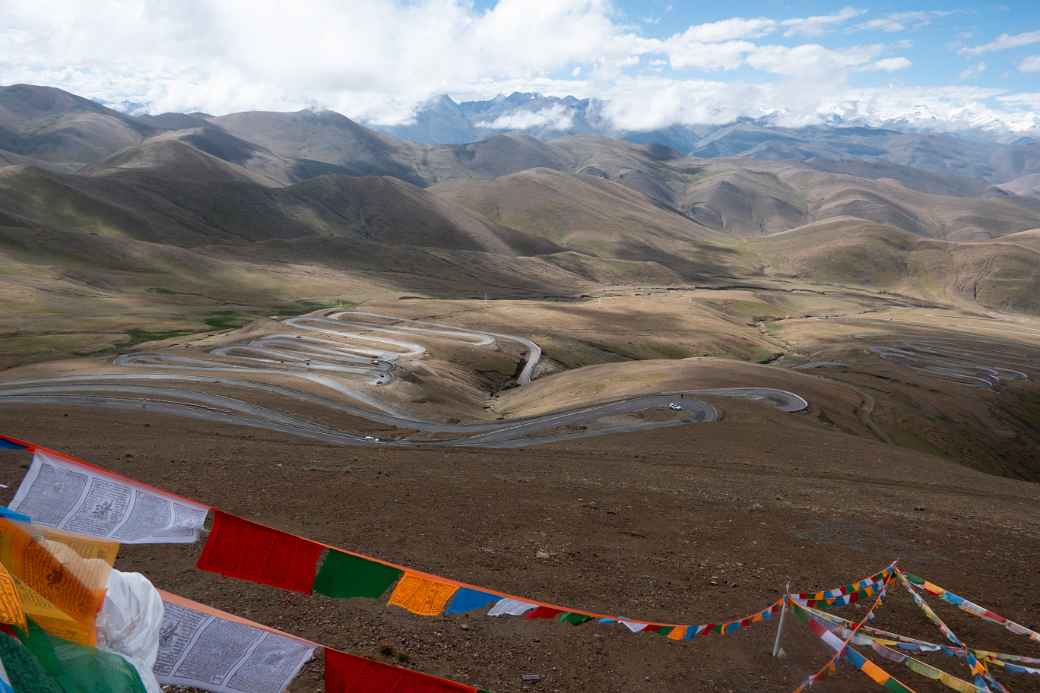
{"points": [[694, 524]]}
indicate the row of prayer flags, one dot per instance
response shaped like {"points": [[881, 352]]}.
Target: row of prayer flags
{"points": [[980, 674], [249, 551], [971, 607], [841, 647], [843, 650], [883, 641]]}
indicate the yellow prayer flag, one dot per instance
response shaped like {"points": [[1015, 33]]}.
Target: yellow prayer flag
{"points": [[11, 611], [52, 619], [421, 595]]}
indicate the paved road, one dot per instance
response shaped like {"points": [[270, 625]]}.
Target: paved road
{"points": [[365, 345], [954, 361]]}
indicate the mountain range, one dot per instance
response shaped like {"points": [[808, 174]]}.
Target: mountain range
{"points": [[989, 155], [97, 205]]}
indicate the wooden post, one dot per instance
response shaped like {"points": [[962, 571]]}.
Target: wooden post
{"points": [[780, 626]]}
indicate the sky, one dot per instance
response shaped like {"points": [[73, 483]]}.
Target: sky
{"points": [[942, 63]]}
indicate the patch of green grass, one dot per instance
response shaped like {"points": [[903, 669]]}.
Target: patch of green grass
{"points": [[764, 356], [163, 290], [136, 336], [226, 319], [306, 306]]}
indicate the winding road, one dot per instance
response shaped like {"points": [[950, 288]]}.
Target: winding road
{"points": [[331, 349], [952, 361]]}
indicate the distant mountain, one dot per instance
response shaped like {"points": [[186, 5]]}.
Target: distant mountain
{"points": [[443, 121], [976, 155], [94, 190], [51, 125]]}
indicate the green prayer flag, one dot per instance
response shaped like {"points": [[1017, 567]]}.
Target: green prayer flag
{"points": [[896, 686], [343, 576], [574, 619], [26, 674], [80, 668]]}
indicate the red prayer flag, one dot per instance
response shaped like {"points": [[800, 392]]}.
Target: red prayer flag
{"points": [[543, 612], [346, 673], [242, 549]]}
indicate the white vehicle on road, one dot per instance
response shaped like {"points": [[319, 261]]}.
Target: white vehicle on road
{"points": [[675, 406]]}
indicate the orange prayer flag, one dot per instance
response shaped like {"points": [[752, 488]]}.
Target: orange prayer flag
{"points": [[421, 595]]}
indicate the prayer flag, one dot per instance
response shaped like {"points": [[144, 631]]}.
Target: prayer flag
{"points": [[421, 595], [22, 670], [245, 550], [76, 667], [343, 575], [574, 619], [11, 611], [68, 494], [543, 612], [346, 673], [511, 607], [467, 599]]}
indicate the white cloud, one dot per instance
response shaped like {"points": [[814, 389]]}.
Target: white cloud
{"points": [[973, 71], [556, 117], [728, 30], [376, 61], [903, 21], [710, 56], [373, 59], [810, 60], [889, 65], [821, 24], [1030, 64], [646, 104], [1025, 101], [1003, 42]]}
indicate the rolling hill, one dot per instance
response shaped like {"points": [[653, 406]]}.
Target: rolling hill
{"points": [[1001, 275], [160, 219], [52, 125]]}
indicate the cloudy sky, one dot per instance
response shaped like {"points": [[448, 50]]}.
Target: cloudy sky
{"points": [[655, 62]]}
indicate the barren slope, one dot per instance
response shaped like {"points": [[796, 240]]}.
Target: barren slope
{"points": [[998, 274], [53, 125]]}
